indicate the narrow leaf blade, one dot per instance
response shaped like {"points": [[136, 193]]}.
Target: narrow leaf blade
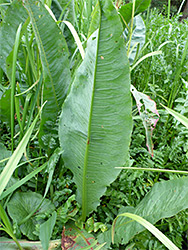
{"points": [[158, 234], [179, 117], [46, 231], [15, 158]]}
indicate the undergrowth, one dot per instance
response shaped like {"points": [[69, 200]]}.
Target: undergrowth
{"points": [[155, 77]]}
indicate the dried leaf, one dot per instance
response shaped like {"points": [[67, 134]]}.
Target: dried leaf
{"points": [[148, 113]]}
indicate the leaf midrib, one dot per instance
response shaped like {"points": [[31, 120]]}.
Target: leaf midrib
{"points": [[84, 193]]}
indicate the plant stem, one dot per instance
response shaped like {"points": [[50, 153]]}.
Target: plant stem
{"points": [[169, 4], [131, 29]]}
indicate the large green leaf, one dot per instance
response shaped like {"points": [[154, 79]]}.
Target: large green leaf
{"points": [[166, 199], [14, 15], [95, 124], [20, 206], [140, 6], [54, 56], [156, 232], [137, 38]]}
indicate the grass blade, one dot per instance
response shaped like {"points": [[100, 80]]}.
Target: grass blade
{"points": [[158, 234], [15, 158], [22, 181], [76, 38], [17, 107], [179, 117], [13, 81], [155, 170], [100, 247], [155, 53]]}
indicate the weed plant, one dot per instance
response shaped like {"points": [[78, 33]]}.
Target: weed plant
{"points": [[156, 77]]}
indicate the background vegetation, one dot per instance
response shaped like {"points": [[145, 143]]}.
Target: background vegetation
{"points": [[163, 77]]}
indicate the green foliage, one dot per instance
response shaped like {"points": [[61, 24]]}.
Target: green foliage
{"points": [[7, 227], [5, 154], [127, 9], [57, 75], [166, 242], [22, 204], [46, 231], [5, 106], [65, 10], [94, 133], [169, 194], [157, 73], [161, 4], [8, 31], [94, 113], [15, 158], [179, 117], [137, 39]]}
